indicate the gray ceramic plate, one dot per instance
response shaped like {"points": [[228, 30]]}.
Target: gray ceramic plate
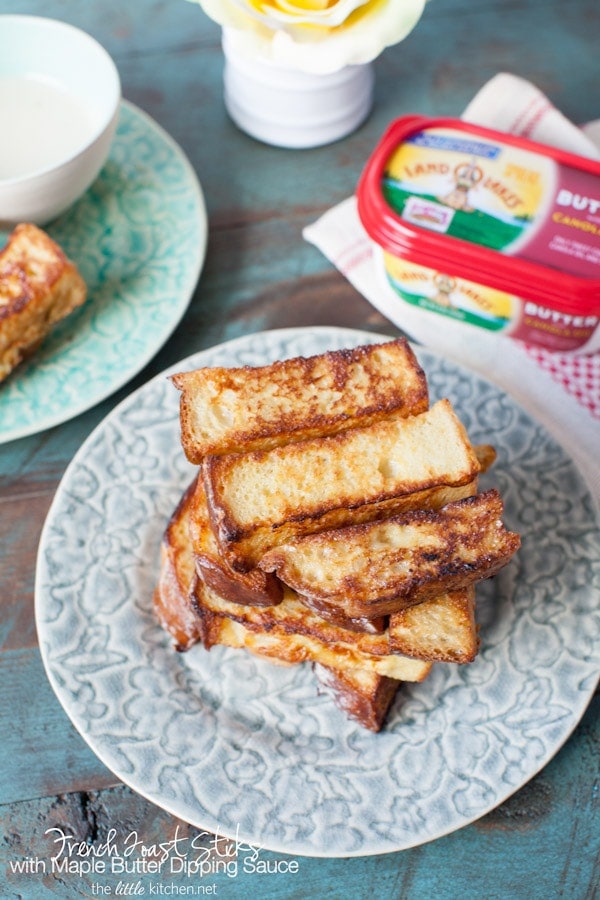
{"points": [[235, 745], [138, 236]]}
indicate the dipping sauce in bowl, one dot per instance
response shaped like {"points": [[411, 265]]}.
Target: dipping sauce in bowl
{"points": [[59, 102], [50, 123]]}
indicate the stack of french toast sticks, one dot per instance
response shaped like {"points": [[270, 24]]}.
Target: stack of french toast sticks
{"points": [[334, 519]]}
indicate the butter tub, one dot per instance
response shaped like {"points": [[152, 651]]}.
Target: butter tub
{"points": [[487, 228]]}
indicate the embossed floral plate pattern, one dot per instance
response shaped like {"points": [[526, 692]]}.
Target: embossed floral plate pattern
{"points": [[233, 744], [138, 236]]}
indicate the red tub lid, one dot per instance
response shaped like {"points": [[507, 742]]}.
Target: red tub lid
{"points": [[488, 207]]}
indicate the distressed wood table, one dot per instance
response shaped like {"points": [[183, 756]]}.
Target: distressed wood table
{"points": [[259, 273]]}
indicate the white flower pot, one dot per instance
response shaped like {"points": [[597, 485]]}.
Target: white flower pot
{"points": [[290, 108]]}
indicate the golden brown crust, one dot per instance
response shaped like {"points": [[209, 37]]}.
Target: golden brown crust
{"points": [[365, 697], [255, 587], [362, 624], [381, 567], [261, 499], [364, 670], [486, 454], [234, 410], [447, 633], [177, 576], [283, 640], [38, 287], [288, 618]]}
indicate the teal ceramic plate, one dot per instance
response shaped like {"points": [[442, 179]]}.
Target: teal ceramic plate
{"points": [[138, 237]]}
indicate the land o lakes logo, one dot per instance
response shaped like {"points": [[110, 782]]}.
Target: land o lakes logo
{"points": [[121, 865]]}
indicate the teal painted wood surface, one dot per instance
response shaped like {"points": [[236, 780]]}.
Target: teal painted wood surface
{"points": [[259, 273], [540, 844], [42, 752]]}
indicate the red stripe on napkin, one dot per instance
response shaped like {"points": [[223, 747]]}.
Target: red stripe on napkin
{"points": [[530, 117], [579, 375]]}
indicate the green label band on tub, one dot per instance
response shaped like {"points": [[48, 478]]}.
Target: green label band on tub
{"points": [[481, 192], [451, 296], [495, 195]]}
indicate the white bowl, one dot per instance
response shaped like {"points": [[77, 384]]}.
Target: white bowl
{"points": [[59, 103]]}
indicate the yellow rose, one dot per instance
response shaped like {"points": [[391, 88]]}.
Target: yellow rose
{"points": [[315, 35]]}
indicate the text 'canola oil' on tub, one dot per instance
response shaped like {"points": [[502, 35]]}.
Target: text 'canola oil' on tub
{"points": [[488, 228]]}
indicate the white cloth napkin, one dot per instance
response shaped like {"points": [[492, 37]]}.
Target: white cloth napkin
{"points": [[561, 390]]}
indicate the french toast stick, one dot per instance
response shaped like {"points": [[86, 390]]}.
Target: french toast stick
{"points": [[234, 410], [363, 696], [451, 611], [177, 574], [381, 567], [255, 587], [290, 617], [276, 637], [441, 629], [361, 624], [39, 286], [260, 499]]}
